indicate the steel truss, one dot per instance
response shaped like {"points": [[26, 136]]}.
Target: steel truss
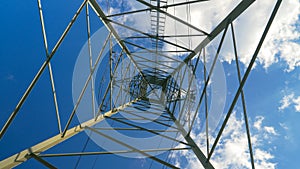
{"points": [[159, 71]]}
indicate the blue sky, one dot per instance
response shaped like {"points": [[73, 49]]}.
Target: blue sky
{"points": [[272, 89]]}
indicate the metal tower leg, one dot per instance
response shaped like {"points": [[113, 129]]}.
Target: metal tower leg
{"points": [[200, 155], [24, 155]]}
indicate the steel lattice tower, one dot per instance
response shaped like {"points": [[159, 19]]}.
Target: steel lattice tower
{"points": [[145, 81]]}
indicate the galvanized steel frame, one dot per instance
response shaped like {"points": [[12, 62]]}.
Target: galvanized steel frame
{"points": [[36, 151]]}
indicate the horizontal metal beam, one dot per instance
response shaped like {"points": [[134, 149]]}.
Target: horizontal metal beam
{"points": [[111, 152], [130, 12], [150, 131], [182, 3], [158, 62], [133, 148], [157, 121], [132, 129], [148, 9], [172, 16], [166, 36], [44, 162], [149, 35], [152, 51]]}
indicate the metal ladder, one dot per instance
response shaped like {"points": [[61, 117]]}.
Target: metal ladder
{"points": [[158, 21]]}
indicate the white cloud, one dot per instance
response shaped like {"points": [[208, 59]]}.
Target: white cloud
{"points": [[203, 15], [281, 44], [270, 130], [258, 122], [232, 146], [262, 158], [287, 135], [286, 101], [284, 126], [289, 100], [290, 52], [297, 103]]}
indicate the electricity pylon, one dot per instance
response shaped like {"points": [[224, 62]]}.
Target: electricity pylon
{"points": [[150, 86]]}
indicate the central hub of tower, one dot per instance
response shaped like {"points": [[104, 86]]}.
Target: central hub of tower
{"points": [[152, 85]]}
